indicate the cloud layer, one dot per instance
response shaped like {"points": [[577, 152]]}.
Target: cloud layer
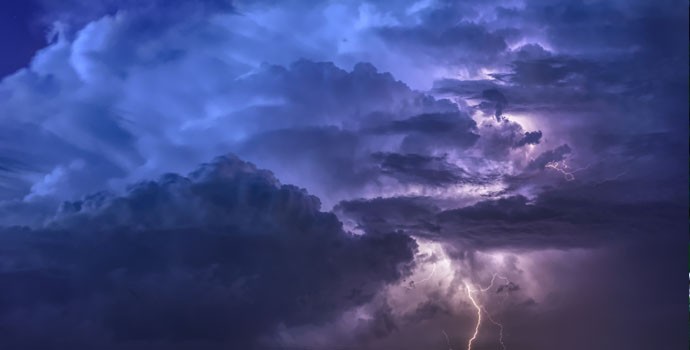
{"points": [[424, 149], [222, 256]]}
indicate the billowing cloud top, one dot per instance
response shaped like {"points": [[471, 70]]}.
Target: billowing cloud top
{"points": [[414, 151]]}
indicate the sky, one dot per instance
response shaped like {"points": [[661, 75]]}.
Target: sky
{"points": [[301, 174]]}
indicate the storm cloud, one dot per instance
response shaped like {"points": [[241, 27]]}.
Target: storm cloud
{"points": [[193, 260], [384, 168]]}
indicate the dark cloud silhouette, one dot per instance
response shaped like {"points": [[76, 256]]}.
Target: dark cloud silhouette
{"points": [[214, 259], [498, 99], [532, 52], [427, 132], [431, 124], [530, 138], [580, 216], [508, 287], [511, 209], [382, 215], [498, 139], [417, 168], [548, 71]]}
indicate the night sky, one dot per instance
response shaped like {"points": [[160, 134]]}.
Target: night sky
{"points": [[343, 175]]}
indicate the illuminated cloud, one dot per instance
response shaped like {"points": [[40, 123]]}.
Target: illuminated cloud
{"points": [[414, 151]]}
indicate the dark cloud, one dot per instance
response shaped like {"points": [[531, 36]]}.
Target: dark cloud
{"points": [[382, 215], [530, 138], [511, 209], [498, 139], [433, 131], [575, 27], [555, 155], [547, 71], [498, 99], [421, 169], [431, 124], [211, 260], [532, 52], [582, 215], [508, 287], [229, 257]]}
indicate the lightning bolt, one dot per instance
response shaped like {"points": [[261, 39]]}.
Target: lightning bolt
{"points": [[470, 288], [563, 168], [412, 283], [433, 271], [493, 279], [480, 308], [479, 316], [500, 328], [616, 177], [447, 339]]}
